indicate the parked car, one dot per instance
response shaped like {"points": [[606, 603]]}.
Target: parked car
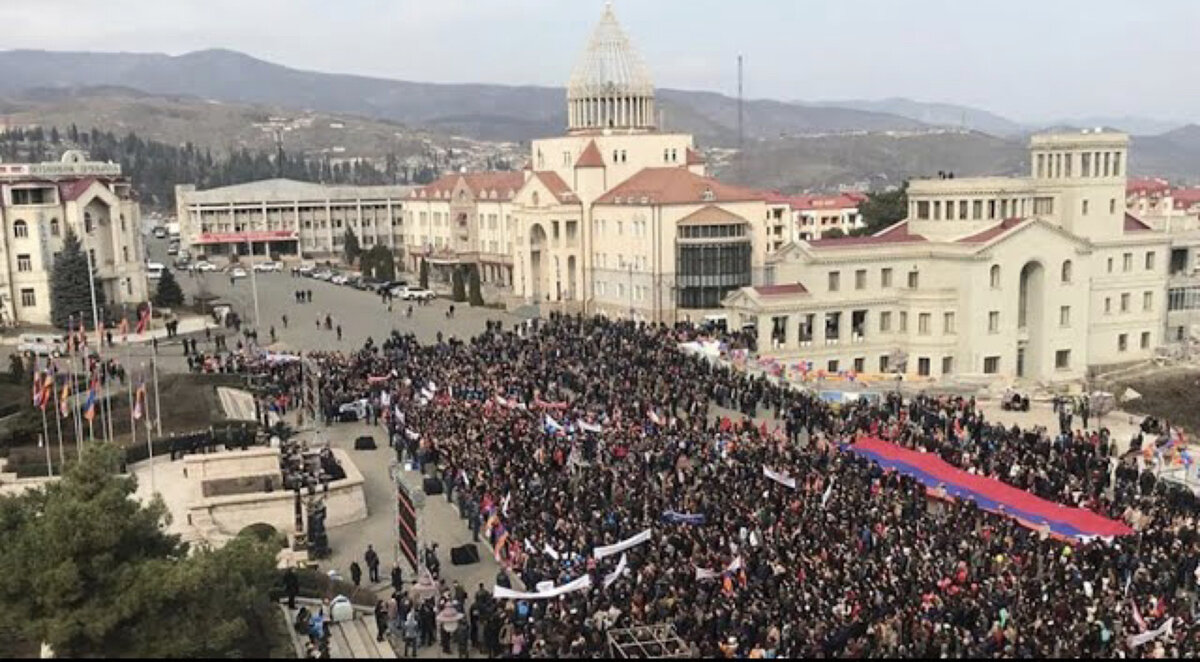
{"points": [[237, 272], [306, 269], [160, 232], [268, 267], [413, 294], [353, 411], [323, 274], [354, 281], [42, 344], [369, 284], [154, 270], [173, 249], [339, 279], [204, 266]]}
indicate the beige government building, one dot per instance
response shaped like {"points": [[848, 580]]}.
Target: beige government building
{"points": [[1040, 277], [38, 203]]}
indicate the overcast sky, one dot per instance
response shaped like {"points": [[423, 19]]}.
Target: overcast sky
{"points": [[1031, 60]]}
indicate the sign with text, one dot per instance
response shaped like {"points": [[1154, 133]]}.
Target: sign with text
{"points": [[243, 237]]}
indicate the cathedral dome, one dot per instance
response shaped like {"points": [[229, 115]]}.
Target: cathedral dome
{"points": [[610, 86]]}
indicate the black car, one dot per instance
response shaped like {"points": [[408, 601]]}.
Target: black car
{"points": [[369, 284]]}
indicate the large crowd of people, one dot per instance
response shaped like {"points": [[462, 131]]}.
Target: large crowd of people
{"points": [[561, 437]]}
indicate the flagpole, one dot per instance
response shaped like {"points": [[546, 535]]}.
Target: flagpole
{"points": [[96, 326], [129, 383], [46, 441], [157, 401], [146, 413], [62, 457]]}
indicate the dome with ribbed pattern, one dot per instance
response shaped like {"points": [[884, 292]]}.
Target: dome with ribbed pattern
{"points": [[610, 86]]}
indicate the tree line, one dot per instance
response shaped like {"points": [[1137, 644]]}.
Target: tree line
{"points": [[156, 167]]}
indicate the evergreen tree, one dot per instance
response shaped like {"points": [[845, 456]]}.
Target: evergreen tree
{"points": [[352, 250], [70, 289], [475, 293], [54, 137], [883, 210], [93, 572], [378, 263], [424, 275], [168, 294], [456, 282]]}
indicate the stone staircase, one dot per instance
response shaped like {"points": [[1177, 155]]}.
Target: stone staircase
{"points": [[352, 639]]}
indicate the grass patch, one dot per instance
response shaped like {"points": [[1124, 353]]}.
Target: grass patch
{"points": [[1168, 398]]}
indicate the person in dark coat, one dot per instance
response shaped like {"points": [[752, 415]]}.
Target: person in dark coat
{"points": [[397, 578], [381, 618], [372, 560], [355, 574], [291, 587]]}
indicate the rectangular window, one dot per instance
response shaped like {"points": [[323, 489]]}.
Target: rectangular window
{"points": [[885, 277], [923, 322], [903, 322], [885, 321], [884, 363], [860, 364], [923, 210], [923, 366], [1127, 262], [1062, 359], [977, 210], [991, 365], [1086, 164], [1147, 301], [1064, 316], [835, 281], [860, 279], [24, 263], [947, 365], [1110, 265], [914, 279], [962, 210], [1150, 261], [833, 367], [994, 322], [1041, 166], [1107, 305], [1125, 302], [1122, 342], [948, 324], [1085, 207], [28, 299], [1145, 340], [937, 210], [991, 209]]}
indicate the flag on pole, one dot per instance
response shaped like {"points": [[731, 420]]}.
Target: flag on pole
{"points": [[64, 407], [47, 390], [89, 407], [143, 320], [37, 391], [139, 400]]}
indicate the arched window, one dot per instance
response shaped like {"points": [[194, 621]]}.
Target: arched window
{"points": [[54, 227], [1066, 271], [995, 276], [20, 229]]}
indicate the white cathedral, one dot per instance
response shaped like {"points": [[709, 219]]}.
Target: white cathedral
{"points": [[1040, 277]]}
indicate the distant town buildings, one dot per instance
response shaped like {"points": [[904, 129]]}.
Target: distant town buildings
{"points": [[39, 202]]}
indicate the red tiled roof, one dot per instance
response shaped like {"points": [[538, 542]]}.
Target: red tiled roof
{"points": [[780, 290], [1148, 185], [591, 157], [992, 232], [71, 190], [1184, 198], [694, 158], [1134, 224], [557, 186], [676, 185], [897, 234], [819, 202], [503, 184]]}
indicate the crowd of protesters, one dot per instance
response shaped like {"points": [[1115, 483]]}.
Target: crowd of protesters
{"points": [[568, 435]]}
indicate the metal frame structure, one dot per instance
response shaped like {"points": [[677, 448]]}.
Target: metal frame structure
{"points": [[647, 642]]}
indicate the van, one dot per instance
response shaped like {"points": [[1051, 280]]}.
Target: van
{"points": [[154, 270], [42, 344]]}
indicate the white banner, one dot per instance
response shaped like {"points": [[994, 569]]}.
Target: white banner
{"points": [[704, 573], [616, 574], [590, 427], [782, 479], [581, 584], [601, 552], [1146, 637]]}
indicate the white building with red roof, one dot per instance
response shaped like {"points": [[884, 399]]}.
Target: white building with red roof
{"points": [[1039, 278], [39, 202]]}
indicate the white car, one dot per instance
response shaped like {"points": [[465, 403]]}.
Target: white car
{"points": [[237, 272], [268, 267], [41, 345], [306, 269], [160, 232], [340, 279], [204, 267], [415, 294], [323, 275]]}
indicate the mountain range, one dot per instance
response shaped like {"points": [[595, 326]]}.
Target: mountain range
{"points": [[792, 145]]}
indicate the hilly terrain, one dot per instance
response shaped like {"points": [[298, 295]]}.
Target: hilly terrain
{"points": [[490, 112]]}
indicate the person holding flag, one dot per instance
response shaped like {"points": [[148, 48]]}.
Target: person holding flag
{"points": [[139, 400], [143, 320]]}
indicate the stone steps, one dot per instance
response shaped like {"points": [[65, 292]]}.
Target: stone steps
{"points": [[353, 639]]}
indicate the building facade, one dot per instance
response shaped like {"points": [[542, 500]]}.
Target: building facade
{"points": [[281, 217], [39, 202], [1040, 277]]}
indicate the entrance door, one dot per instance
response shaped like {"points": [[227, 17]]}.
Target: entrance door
{"points": [[1020, 361]]}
